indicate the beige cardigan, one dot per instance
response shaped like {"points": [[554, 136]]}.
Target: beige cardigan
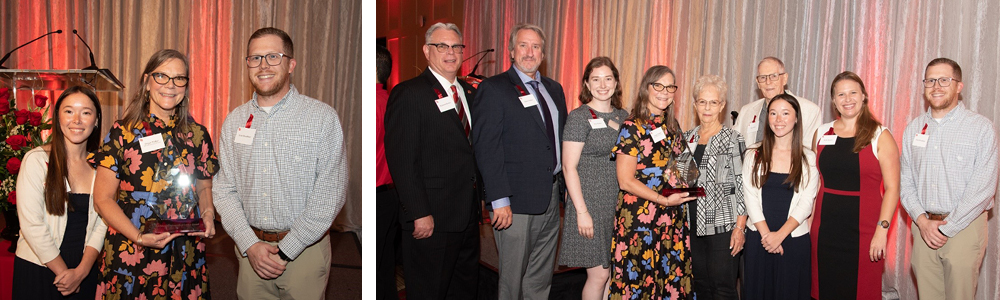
{"points": [[41, 232], [802, 201]]}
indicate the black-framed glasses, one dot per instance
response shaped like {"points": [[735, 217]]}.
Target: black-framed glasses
{"points": [[443, 48], [179, 81], [770, 77], [273, 59], [659, 87], [943, 81]]}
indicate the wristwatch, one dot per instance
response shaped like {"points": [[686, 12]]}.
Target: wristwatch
{"points": [[283, 257], [884, 224]]}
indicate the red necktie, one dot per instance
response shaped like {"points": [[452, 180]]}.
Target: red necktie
{"points": [[460, 109]]}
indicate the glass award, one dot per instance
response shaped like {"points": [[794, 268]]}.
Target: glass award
{"points": [[684, 170], [174, 199]]}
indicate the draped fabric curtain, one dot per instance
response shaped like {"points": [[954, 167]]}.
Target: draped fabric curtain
{"points": [[213, 34], [888, 43]]}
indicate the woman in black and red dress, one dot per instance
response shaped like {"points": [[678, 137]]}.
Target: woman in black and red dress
{"points": [[856, 157]]}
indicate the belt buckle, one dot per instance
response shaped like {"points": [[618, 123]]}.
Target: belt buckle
{"points": [[937, 217]]}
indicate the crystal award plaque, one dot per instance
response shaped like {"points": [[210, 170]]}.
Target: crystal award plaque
{"points": [[174, 199], [685, 168]]}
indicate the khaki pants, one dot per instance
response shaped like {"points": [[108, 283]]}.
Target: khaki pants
{"points": [[952, 271], [304, 278]]}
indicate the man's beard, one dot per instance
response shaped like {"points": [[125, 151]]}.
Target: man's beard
{"points": [[274, 90]]}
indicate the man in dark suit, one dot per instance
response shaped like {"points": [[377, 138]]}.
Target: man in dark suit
{"points": [[516, 130], [432, 164]]}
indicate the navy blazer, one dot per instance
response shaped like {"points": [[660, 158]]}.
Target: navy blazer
{"points": [[430, 159], [512, 147]]}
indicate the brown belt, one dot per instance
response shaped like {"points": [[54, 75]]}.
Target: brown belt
{"points": [[269, 236], [937, 217]]}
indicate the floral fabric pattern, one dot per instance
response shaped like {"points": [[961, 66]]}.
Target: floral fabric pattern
{"points": [[650, 244], [154, 184]]}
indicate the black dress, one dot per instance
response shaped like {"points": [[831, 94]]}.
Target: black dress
{"points": [[35, 282], [776, 276]]}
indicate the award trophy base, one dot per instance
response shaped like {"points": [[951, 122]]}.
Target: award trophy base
{"points": [[692, 192], [175, 226]]}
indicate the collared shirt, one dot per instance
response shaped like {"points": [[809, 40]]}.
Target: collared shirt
{"points": [[382, 175], [553, 115], [292, 177], [954, 173], [461, 92]]}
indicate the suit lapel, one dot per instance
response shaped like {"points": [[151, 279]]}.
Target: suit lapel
{"points": [[535, 114], [437, 88]]}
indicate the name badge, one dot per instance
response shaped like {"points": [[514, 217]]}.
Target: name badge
{"points": [[597, 123], [828, 139], [151, 143], [445, 104], [921, 140], [752, 128], [692, 146], [657, 134], [527, 101], [245, 135]]}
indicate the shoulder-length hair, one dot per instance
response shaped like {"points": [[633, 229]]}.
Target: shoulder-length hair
{"points": [[762, 161], [137, 110], [56, 197], [597, 62], [866, 124], [640, 107]]}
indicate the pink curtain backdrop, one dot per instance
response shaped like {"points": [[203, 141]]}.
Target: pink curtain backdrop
{"points": [[888, 43], [213, 34]]}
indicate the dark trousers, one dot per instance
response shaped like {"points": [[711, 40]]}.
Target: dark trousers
{"points": [[714, 270], [387, 229], [442, 266]]}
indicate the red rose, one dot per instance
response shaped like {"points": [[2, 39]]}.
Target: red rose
{"points": [[41, 100], [13, 165], [16, 142], [20, 116], [4, 93], [35, 118], [12, 197], [4, 105]]}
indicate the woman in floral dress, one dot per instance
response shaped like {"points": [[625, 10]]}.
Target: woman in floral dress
{"points": [[650, 243], [152, 162]]}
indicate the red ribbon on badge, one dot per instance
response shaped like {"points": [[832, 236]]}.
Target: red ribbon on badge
{"points": [[149, 132], [924, 131], [592, 114], [519, 89], [249, 120], [439, 93]]}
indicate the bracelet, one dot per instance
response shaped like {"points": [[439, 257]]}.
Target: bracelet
{"points": [[138, 239], [581, 212]]}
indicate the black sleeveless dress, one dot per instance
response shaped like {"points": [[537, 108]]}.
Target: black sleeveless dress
{"points": [[35, 282]]}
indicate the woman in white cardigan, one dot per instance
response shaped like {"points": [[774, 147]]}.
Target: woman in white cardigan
{"points": [[780, 183], [60, 231]]}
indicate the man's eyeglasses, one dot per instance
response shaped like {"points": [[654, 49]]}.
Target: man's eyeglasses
{"points": [[273, 59], [766, 78], [943, 81], [179, 81], [443, 48], [713, 103], [659, 87]]}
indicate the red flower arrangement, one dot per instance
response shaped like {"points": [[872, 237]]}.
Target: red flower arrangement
{"points": [[22, 131]]}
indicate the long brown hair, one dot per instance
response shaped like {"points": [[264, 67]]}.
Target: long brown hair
{"points": [[762, 162], [597, 62], [640, 107], [866, 124], [56, 199], [137, 110]]}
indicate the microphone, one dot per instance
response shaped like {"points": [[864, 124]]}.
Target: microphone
{"points": [[474, 68], [6, 56], [93, 64]]}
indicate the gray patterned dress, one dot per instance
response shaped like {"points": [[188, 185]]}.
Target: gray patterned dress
{"points": [[599, 185]]}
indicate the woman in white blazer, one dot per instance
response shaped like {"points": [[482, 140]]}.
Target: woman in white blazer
{"points": [[780, 182], [60, 231]]}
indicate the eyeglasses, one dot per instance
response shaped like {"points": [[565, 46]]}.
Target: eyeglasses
{"points": [[943, 81], [703, 103], [766, 78], [273, 59], [443, 48], [179, 81], [659, 87]]}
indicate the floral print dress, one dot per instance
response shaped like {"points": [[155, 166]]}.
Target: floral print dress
{"points": [[129, 271], [650, 244]]}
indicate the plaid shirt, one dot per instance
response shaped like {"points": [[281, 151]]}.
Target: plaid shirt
{"points": [[293, 176], [954, 173]]}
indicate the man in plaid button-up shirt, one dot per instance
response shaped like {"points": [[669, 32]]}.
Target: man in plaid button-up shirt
{"points": [[281, 179]]}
